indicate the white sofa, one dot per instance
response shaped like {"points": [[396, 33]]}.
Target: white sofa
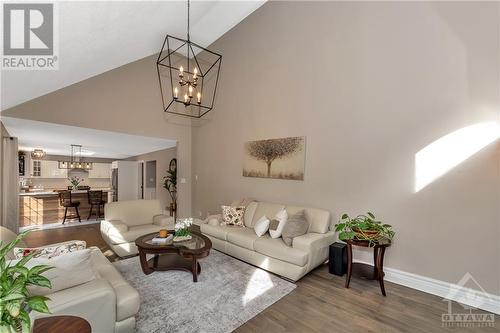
{"points": [[108, 303], [125, 221], [307, 251]]}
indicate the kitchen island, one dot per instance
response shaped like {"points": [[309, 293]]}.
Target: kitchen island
{"points": [[42, 207]]}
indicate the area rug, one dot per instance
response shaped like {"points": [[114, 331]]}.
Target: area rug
{"points": [[228, 293]]}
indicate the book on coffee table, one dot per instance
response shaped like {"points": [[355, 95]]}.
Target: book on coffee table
{"points": [[162, 240]]}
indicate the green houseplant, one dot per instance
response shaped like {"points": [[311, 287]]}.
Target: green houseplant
{"points": [[15, 299], [170, 184], [364, 227]]}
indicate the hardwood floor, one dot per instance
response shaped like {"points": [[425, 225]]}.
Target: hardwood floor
{"points": [[320, 303]]}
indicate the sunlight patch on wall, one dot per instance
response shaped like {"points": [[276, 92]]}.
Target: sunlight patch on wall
{"points": [[444, 154]]}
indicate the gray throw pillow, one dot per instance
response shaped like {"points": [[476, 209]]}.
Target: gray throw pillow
{"points": [[295, 226]]}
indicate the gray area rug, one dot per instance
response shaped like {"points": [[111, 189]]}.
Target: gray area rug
{"points": [[228, 293]]}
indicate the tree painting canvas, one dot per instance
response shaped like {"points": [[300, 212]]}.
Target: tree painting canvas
{"points": [[275, 158]]}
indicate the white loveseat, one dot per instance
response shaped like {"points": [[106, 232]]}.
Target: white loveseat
{"points": [[125, 221], [108, 302], [307, 251]]}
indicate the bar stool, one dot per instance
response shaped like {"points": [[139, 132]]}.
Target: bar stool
{"points": [[95, 199], [66, 202]]}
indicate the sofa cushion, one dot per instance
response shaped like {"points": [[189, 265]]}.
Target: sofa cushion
{"points": [[133, 233], [244, 237], [267, 209], [133, 212], [249, 213], [276, 248], [217, 231], [233, 215], [69, 270], [295, 226], [319, 219]]}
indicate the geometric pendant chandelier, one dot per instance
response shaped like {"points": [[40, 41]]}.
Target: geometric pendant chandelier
{"points": [[188, 75], [75, 160]]}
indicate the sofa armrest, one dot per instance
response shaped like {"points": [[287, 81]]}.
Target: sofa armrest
{"points": [[163, 221], [95, 301], [316, 245], [113, 226], [213, 219]]}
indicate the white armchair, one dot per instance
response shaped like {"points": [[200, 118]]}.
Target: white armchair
{"points": [[108, 303], [125, 221]]}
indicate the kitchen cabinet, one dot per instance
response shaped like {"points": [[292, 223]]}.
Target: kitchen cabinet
{"points": [[50, 169], [100, 170], [36, 168]]}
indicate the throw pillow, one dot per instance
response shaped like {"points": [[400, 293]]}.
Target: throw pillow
{"points": [[261, 226], [233, 216], [50, 251], [70, 269], [278, 223], [295, 226]]}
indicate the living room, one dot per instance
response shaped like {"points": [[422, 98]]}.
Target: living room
{"points": [[390, 108]]}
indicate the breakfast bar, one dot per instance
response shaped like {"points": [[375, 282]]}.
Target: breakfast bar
{"points": [[42, 207]]}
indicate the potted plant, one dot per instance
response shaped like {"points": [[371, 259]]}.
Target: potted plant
{"points": [[365, 228], [170, 184], [182, 230], [75, 181], [15, 299]]}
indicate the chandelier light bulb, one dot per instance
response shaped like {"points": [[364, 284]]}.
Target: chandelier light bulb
{"points": [[199, 97], [181, 71], [185, 98], [195, 72], [190, 91], [176, 91]]}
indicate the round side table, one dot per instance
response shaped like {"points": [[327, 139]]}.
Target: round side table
{"points": [[378, 260]]}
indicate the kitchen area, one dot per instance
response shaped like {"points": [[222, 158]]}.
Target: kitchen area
{"points": [[67, 174], [42, 177]]}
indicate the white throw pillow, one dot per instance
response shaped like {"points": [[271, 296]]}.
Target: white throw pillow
{"points": [[50, 251], [261, 226], [70, 269], [281, 217]]}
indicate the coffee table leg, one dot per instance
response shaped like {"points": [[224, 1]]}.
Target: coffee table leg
{"points": [[144, 263], [194, 269], [155, 261]]}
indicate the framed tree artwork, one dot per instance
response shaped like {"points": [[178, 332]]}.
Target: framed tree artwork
{"points": [[275, 158]]}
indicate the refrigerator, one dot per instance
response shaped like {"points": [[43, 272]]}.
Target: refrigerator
{"points": [[125, 180]]}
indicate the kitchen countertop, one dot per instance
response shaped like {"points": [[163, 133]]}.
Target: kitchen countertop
{"points": [[54, 192]]}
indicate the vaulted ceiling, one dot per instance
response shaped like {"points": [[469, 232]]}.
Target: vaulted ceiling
{"points": [[97, 36]]}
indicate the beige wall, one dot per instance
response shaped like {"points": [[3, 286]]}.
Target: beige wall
{"points": [[127, 100], [369, 84], [162, 158]]}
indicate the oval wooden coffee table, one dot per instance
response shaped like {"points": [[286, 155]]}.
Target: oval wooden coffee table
{"points": [[173, 255]]}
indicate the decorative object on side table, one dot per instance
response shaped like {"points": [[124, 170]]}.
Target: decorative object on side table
{"points": [[170, 184], [15, 298], [366, 231], [182, 230], [364, 227]]}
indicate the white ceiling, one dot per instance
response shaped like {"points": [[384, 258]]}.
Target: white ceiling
{"points": [[56, 139], [97, 36]]}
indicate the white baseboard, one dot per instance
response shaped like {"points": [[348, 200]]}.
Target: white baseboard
{"points": [[455, 292]]}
